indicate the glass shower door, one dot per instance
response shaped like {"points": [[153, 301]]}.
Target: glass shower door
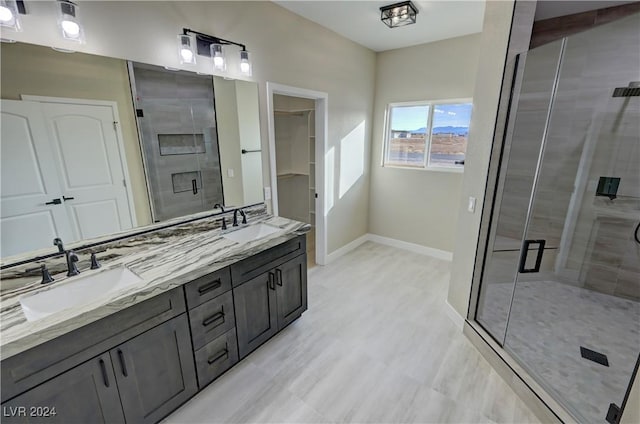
{"points": [[574, 318]]}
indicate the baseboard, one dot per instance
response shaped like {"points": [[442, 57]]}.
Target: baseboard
{"points": [[454, 315], [412, 247], [346, 248]]}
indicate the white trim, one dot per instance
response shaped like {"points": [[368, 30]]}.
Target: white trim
{"points": [[457, 319], [347, 248], [116, 118], [412, 247], [321, 133]]}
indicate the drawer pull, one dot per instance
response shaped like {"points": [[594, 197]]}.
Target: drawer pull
{"points": [[105, 377], [213, 318], [272, 285], [279, 277], [224, 352], [209, 287], [123, 365]]}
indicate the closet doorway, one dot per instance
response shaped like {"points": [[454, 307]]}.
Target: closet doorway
{"points": [[296, 132]]}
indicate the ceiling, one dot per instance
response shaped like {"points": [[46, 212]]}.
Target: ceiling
{"points": [[360, 20]]}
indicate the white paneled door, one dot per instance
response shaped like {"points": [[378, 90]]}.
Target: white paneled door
{"points": [[75, 158], [92, 176], [28, 182]]}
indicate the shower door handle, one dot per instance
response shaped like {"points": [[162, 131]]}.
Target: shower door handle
{"points": [[525, 252], [194, 186]]}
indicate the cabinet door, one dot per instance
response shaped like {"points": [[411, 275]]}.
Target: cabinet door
{"points": [[85, 394], [155, 371], [291, 287], [256, 315]]}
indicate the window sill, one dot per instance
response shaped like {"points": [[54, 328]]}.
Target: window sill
{"points": [[430, 168]]}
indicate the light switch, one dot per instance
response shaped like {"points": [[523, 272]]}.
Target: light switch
{"points": [[472, 204], [267, 193], [230, 173]]}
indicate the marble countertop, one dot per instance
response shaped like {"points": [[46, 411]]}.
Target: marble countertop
{"points": [[163, 260]]}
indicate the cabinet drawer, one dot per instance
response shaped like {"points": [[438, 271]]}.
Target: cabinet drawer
{"points": [[207, 287], [255, 265], [216, 357], [211, 319]]}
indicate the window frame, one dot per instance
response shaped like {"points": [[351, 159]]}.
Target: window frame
{"points": [[426, 162]]}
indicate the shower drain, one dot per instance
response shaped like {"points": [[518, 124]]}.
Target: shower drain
{"points": [[594, 356]]}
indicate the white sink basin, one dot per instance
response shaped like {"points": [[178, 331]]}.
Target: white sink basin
{"points": [[251, 233], [76, 292]]}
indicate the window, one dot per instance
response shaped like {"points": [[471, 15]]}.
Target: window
{"points": [[427, 134]]}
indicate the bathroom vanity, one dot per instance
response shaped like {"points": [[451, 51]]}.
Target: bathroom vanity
{"points": [[138, 356]]}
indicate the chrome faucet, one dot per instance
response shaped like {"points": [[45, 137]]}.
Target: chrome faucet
{"points": [[235, 217]]}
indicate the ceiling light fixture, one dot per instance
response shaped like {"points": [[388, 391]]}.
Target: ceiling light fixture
{"points": [[398, 14], [9, 14], [68, 21], [213, 47]]}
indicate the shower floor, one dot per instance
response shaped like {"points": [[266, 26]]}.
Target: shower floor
{"points": [[549, 323]]}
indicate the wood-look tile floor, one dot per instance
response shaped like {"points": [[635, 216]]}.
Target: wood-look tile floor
{"points": [[375, 346]]}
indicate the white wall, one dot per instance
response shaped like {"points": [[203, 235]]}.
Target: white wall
{"points": [[493, 45], [285, 49], [419, 206]]}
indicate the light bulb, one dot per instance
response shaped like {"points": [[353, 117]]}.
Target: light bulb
{"points": [[245, 64], [6, 15], [71, 29], [218, 61], [187, 55]]}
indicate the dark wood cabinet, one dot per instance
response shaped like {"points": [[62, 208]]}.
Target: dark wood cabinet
{"points": [[269, 302], [87, 393], [256, 315], [155, 371], [141, 363], [291, 290]]}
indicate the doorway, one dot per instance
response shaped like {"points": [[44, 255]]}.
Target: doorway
{"points": [[297, 143]]}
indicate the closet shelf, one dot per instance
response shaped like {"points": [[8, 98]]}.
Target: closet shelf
{"points": [[298, 112], [291, 175]]}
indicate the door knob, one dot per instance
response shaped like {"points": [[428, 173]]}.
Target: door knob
{"points": [[55, 201], [65, 198]]}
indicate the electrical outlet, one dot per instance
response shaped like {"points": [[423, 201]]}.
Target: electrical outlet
{"points": [[230, 173], [267, 193], [471, 207]]}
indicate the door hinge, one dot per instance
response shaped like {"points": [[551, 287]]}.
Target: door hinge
{"points": [[613, 414], [115, 125]]}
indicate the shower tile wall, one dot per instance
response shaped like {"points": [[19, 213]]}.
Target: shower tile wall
{"points": [[602, 132], [179, 138]]}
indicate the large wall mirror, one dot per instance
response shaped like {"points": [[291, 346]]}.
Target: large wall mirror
{"points": [[92, 146]]}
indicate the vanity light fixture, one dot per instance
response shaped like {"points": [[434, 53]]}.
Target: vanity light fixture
{"points": [[187, 49], [245, 63], [398, 14], [9, 14], [219, 61], [68, 21], [214, 47]]}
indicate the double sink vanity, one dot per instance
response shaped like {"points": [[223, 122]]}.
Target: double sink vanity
{"points": [[165, 316]]}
